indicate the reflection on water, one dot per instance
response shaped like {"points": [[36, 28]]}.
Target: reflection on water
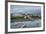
{"points": [[26, 24]]}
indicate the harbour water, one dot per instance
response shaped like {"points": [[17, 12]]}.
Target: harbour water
{"points": [[26, 24]]}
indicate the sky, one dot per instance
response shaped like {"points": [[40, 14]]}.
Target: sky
{"points": [[25, 9]]}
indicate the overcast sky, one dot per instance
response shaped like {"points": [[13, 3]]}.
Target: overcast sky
{"points": [[25, 9]]}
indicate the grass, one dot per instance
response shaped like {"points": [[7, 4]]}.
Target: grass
{"points": [[22, 17], [17, 17]]}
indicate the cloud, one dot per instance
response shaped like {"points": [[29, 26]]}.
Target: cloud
{"points": [[25, 9]]}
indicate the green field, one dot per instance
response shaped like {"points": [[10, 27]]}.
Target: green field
{"points": [[18, 17]]}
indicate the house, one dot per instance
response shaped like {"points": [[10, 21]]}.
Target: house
{"points": [[27, 16]]}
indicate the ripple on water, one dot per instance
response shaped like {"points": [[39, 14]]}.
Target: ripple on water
{"points": [[26, 24]]}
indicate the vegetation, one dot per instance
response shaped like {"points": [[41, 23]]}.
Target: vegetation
{"points": [[17, 17]]}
